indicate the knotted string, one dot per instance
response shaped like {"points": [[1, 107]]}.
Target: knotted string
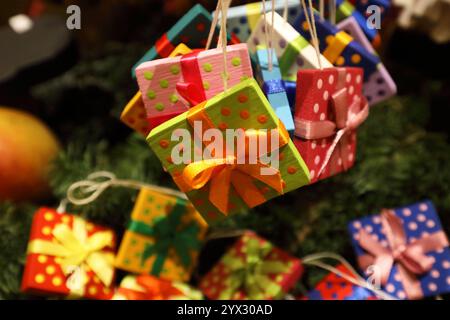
{"points": [[86, 191], [316, 260]]}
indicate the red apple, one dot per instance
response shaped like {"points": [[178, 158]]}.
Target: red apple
{"points": [[27, 146]]}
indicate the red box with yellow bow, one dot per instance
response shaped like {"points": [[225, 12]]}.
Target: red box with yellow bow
{"points": [[329, 108], [252, 269], [220, 183], [69, 256]]}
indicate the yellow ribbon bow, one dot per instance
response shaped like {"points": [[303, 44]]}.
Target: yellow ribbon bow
{"points": [[222, 173], [78, 251]]}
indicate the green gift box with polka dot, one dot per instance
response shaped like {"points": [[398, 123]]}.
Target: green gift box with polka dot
{"points": [[243, 106], [160, 80]]}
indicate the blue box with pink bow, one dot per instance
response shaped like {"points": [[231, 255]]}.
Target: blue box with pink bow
{"points": [[273, 87], [406, 250]]}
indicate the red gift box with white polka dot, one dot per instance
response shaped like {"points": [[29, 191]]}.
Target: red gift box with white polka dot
{"points": [[215, 281], [315, 89], [43, 273]]}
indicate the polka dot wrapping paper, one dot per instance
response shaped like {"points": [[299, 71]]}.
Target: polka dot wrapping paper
{"points": [[315, 89], [345, 9], [43, 273], [218, 280], [292, 49], [334, 287], [273, 86], [147, 287], [135, 116], [379, 86], [243, 106], [241, 20], [152, 224], [192, 30], [160, 80], [342, 50], [418, 221]]}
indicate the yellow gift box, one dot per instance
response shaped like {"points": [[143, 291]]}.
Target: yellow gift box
{"points": [[163, 237]]}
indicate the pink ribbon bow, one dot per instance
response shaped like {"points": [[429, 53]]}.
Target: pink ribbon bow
{"points": [[410, 258], [348, 117]]}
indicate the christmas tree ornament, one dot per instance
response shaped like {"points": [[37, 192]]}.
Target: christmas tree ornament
{"points": [[192, 30], [337, 287], [219, 184], [147, 287], [329, 108], [27, 147], [243, 19], [269, 77], [342, 50], [69, 256], [169, 86], [252, 269], [292, 50], [135, 116], [380, 86], [405, 249], [345, 9], [163, 238]]}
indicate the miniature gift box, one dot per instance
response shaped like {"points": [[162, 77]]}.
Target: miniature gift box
{"points": [[407, 248], [170, 85], [335, 287], [252, 269], [241, 20], [342, 50], [379, 86], [192, 30], [293, 50], [329, 108], [363, 6], [345, 9], [163, 237], [69, 256], [135, 116], [214, 181], [147, 287], [273, 86]]}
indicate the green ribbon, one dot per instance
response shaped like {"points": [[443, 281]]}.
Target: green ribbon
{"points": [[251, 274], [168, 233], [291, 53]]}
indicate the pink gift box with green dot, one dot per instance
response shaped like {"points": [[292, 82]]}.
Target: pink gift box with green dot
{"points": [[170, 86]]}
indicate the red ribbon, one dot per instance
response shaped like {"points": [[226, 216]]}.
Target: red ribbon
{"points": [[163, 46], [411, 257], [348, 117], [191, 89]]}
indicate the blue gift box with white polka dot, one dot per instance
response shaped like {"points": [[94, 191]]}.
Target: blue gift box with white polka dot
{"points": [[419, 220]]}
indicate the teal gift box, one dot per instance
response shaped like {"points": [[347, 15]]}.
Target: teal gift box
{"points": [[273, 87]]}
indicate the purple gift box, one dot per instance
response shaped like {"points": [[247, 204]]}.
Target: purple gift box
{"points": [[407, 248]]}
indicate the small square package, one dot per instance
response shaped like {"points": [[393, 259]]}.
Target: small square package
{"points": [[219, 183], [252, 269], [69, 256], [163, 238], [406, 248], [329, 108]]}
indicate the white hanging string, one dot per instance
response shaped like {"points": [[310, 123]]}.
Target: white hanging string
{"points": [[213, 25], [312, 28], [332, 9], [355, 278], [86, 191], [225, 4], [285, 10], [321, 8]]}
